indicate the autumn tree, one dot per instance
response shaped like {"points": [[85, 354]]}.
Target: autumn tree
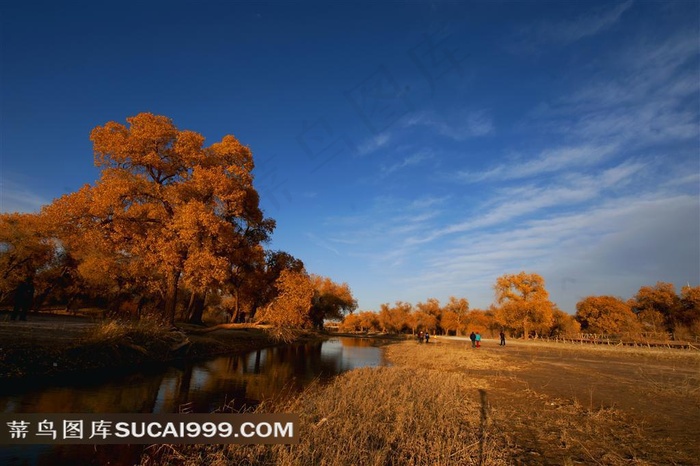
{"points": [[422, 321], [330, 300], [290, 308], [364, 321], [659, 301], [394, 319], [26, 251], [606, 315], [176, 211], [368, 320], [477, 320], [454, 315], [252, 285], [563, 324], [523, 303], [91, 267], [653, 322], [689, 314], [429, 315], [254, 282], [351, 323]]}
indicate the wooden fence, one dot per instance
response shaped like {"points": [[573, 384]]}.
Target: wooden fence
{"points": [[643, 340]]}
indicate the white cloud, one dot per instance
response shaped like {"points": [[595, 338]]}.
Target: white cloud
{"points": [[565, 32], [643, 96], [375, 143], [460, 127], [320, 242], [606, 203], [16, 198], [548, 161], [378, 234], [411, 160], [512, 203], [588, 227], [614, 247]]}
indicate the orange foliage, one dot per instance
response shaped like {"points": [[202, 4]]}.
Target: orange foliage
{"points": [[661, 299], [174, 210], [394, 319], [290, 309], [330, 300], [25, 249], [689, 314], [524, 303], [606, 315], [564, 325], [454, 315], [477, 321], [364, 321]]}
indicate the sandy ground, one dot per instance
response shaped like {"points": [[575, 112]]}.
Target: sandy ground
{"points": [[654, 390]]}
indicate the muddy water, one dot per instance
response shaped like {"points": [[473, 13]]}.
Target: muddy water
{"points": [[234, 381]]}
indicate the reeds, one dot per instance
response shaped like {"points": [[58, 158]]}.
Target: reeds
{"points": [[398, 415], [112, 331], [446, 404]]}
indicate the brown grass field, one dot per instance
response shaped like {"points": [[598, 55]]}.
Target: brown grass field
{"points": [[527, 403]]}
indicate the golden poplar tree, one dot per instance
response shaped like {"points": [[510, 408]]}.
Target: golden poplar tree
{"points": [[330, 301], [523, 303], [606, 315], [657, 303], [454, 315], [174, 210], [25, 249], [290, 308]]}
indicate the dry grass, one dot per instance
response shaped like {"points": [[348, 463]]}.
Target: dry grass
{"points": [[113, 331], [561, 431], [447, 404], [603, 350], [685, 386], [448, 357], [536, 428], [397, 415]]}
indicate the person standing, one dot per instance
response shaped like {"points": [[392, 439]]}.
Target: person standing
{"points": [[478, 340], [503, 339], [472, 337]]}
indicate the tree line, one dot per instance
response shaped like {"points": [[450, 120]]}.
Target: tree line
{"points": [[522, 308], [171, 228]]}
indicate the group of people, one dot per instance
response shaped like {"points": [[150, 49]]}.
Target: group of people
{"points": [[476, 339]]}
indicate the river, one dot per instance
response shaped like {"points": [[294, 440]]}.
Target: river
{"points": [[202, 387]]}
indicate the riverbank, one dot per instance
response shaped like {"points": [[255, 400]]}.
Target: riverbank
{"points": [[61, 345], [525, 403]]}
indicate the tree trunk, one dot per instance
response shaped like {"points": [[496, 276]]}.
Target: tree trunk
{"points": [[171, 297], [526, 329], [196, 308], [236, 308]]}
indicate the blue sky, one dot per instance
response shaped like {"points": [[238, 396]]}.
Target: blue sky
{"points": [[410, 149]]}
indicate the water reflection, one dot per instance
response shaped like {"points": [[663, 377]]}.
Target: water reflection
{"points": [[237, 381]]}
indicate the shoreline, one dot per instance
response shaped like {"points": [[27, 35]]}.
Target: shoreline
{"points": [[50, 347], [447, 403]]}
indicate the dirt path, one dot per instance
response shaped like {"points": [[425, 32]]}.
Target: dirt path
{"points": [[642, 405]]}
